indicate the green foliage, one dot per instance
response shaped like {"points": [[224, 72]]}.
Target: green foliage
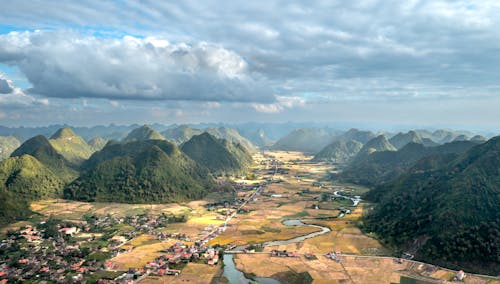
{"points": [[143, 133], [380, 167], [13, 208], [377, 144], [71, 146], [219, 156], [151, 171], [340, 151], [454, 206], [23, 179], [97, 143], [27, 178], [309, 140], [7, 145], [40, 148]]}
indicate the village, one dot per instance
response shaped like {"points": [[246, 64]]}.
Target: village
{"points": [[179, 244]]}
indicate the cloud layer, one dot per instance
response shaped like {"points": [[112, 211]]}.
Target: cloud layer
{"points": [[70, 65], [269, 59]]}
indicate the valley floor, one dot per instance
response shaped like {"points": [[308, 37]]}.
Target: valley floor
{"points": [[294, 189]]}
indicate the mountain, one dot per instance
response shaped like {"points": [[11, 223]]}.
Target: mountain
{"points": [[461, 137], [401, 139], [258, 137], [358, 135], [70, 146], [231, 135], [309, 140], [7, 145], [13, 207], [97, 143], [381, 167], [181, 134], [377, 144], [218, 155], [41, 149], [151, 171], [478, 138], [27, 178], [143, 133], [452, 211], [340, 151]]}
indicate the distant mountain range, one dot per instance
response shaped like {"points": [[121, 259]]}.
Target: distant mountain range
{"points": [[7, 145], [339, 151]]}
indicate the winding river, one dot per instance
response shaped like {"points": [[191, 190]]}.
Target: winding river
{"points": [[236, 276]]}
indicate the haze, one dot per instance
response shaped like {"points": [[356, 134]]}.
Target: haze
{"points": [[418, 63]]}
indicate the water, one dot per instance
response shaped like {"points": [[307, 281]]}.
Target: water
{"points": [[324, 230], [235, 276]]}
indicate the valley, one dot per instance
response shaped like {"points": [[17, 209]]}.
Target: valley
{"points": [[133, 240]]}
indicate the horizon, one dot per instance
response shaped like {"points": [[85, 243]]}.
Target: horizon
{"points": [[378, 64]]}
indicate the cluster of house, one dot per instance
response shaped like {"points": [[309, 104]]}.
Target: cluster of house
{"points": [[144, 222], [167, 263], [283, 253], [29, 254]]}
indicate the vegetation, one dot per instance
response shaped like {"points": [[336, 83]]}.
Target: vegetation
{"points": [[151, 171], [402, 139], [143, 133], [377, 144], [340, 151], [218, 155], [23, 179], [40, 148], [309, 140], [380, 167], [461, 195], [97, 143], [71, 146], [181, 134], [7, 145]]}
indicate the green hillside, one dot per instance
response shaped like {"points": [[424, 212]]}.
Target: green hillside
{"points": [[13, 208], [28, 179], [181, 134], [309, 140], [143, 133], [218, 155], [97, 143], [7, 145], [231, 135], [71, 146], [452, 210], [377, 144], [401, 139], [40, 148], [358, 135], [340, 151], [152, 171], [380, 167]]}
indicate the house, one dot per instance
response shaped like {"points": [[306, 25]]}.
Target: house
{"points": [[69, 230], [214, 260], [460, 275]]}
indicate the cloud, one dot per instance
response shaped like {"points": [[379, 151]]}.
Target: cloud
{"points": [[282, 103], [5, 87], [71, 65]]}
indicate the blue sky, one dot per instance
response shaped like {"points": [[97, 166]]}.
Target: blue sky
{"points": [[422, 63]]}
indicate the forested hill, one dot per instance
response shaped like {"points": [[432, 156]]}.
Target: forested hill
{"points": [[218, 155], [151, 171], [454, 206]]}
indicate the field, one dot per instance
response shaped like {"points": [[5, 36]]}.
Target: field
{"points": [[292, 193]]}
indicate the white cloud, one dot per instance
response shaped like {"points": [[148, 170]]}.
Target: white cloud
{"points": [[68, 65]]}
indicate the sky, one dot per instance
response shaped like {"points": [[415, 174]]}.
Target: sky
{"points": [[417, 62]]}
